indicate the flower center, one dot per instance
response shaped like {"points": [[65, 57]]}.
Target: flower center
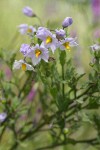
{"points": [[24, 67], [67, 46], [37, 53], [48, 40], [29, 30]]}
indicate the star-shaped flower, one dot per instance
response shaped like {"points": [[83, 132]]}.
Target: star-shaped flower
{"points": [[49, 39], [67, 43], [38, 53], [21, 64]]}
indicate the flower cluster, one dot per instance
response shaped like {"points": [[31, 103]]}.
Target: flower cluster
{"points": [[44, 42]]}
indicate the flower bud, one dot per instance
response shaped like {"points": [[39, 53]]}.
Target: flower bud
{"points": [[67, 22], [28, 12], [60, 34], [66, 130]]}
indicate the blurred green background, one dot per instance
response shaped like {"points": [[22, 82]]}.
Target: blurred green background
{"points": [[53, 12]]}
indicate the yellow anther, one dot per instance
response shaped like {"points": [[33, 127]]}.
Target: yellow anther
{"points": [[48, 40], [67, 46], [37, 53], [29, 30], [24, 67]]}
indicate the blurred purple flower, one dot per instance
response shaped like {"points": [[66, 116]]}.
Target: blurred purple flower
{"points": [[31, 94], [96, 33], [25, 29], [67, 22], [8, 73], [95, 47], [28, 12], [96, 10], [2, 117]]}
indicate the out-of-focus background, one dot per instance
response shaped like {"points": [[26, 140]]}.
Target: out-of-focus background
{"points": [[86, 27]]}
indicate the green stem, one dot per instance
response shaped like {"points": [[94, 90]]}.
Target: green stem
{"points": [[30, 133], [14, 146], [63, 86], [69, 141], [40, 20]]}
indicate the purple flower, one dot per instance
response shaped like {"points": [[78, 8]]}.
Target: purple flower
{"points": [[95, 47], [67, 43], [67, 22], [28, 12], [49, 39], [60, 34], [30, 30], [31, 94], [25, 49], [38, 53], [42, 32], [8, 73], [25, 29], [96, 33], [96, 9], [2, 117]]}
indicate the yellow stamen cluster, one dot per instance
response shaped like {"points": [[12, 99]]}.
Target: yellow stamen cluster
{"points": [[48, 40], [67, 46], [37, 52], [24, 67], [29, 30]]}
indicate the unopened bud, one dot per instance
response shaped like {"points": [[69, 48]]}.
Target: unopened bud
{"points": [[60, 34], [28, 12], [67, 22]]}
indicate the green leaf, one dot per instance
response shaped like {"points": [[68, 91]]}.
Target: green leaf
{"points": [[53, 91], [80, 101], [80, 76]]}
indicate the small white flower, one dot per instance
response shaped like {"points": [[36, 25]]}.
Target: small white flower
{"points": [[2, 117], [95, 47], [21, 64]]}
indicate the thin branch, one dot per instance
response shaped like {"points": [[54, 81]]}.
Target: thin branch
{"points": [[69, 141]]}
